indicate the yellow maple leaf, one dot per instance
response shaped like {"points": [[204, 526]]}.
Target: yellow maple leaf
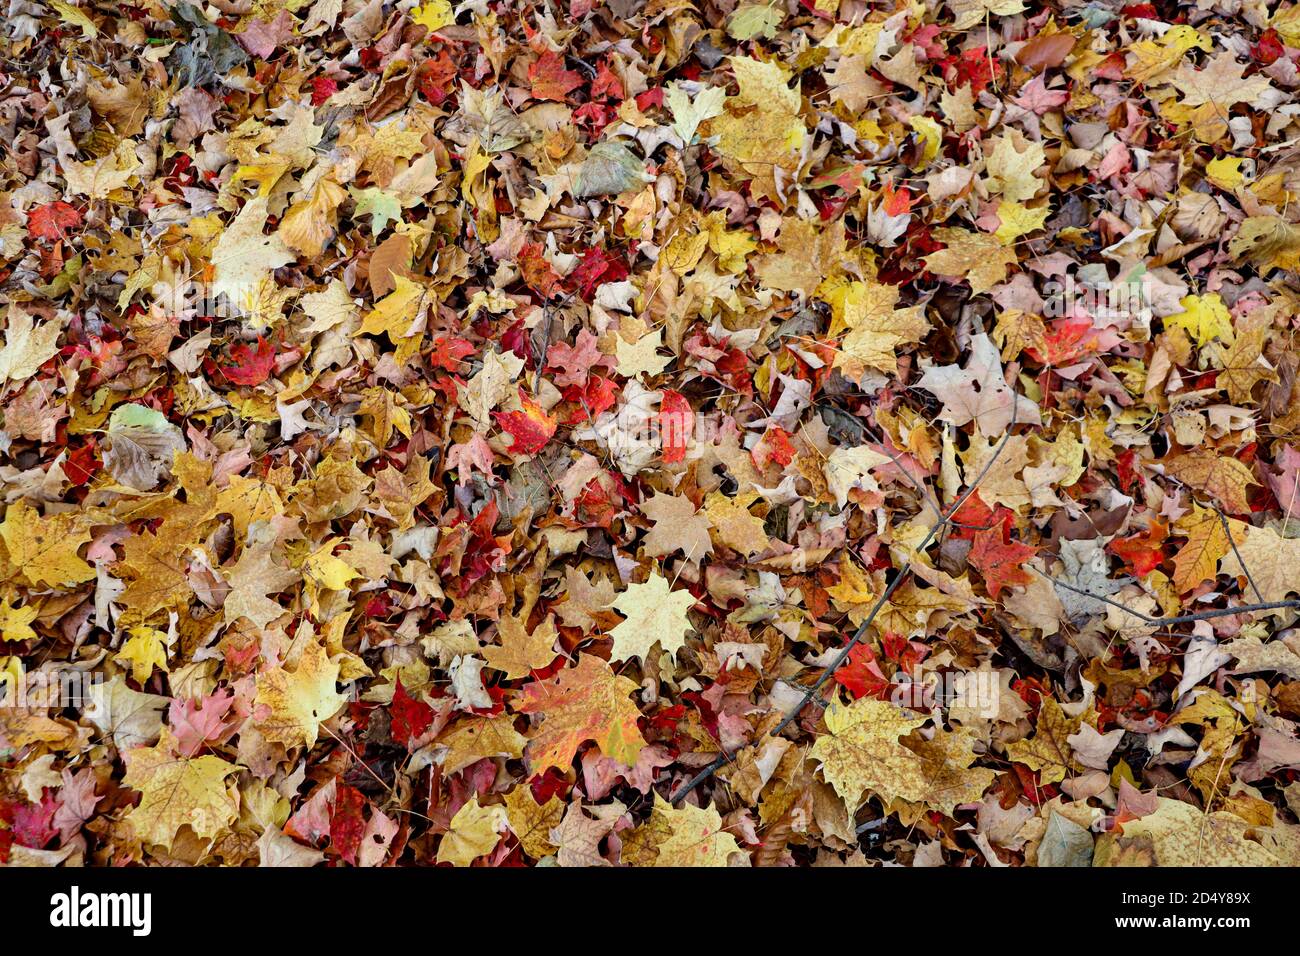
{"points": [[26, 346], [15, 621], [1219, 725], [733, 525], [655, 615], [1222, 476], [71, 14], [247, 500], [642, 356], [861, 754], [475, 831], [690, 836], [876, 327], [1179, 834], [532, 822], [1207, 542], [1016, 331], [310, 223], [472, 740], [177, 792], [145, 649], [1271, 559], [398, 315], [1047, 751], [1225, 172], [977, 257], [911, 610], [244, 257], [946, 763], [1244, 364], [1011, 165], [853, 593], [1016, 220], [1153, 58], [587, 702], [434, 15], [293, 704], [325, 570], [762, 123], [519, 651], [103, 177], [1204, 317], [43, 550]]}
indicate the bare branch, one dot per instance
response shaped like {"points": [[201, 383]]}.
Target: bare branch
{"points": [[1178, 619]]}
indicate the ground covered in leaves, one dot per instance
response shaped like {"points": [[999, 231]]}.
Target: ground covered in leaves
{"points": [[649, 432]]}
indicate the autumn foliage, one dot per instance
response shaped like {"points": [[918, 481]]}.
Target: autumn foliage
{"points": [[649, 433]]}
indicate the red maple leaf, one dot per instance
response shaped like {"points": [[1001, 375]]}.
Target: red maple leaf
{"points": [[436, 76], [346, 822], [33, 822], [531, 428], [597, 267], [536, 270], [253, 363], [82, 463], [897, 201], [775, 445], [550, 80], [410, 717], [597, 395], [974, 516], [322, 88], [676, 422], [449, 350], [606, 84], [905, 653], [52, 220], [1145, 551], [999, 560], [861, 675]]}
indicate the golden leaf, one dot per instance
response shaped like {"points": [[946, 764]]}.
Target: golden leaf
{"points": [[587, 702], [532, 822], [1047, 751], [177, 792], [297, 702], [1178, 834], [43, 550], [475, 832], [519, 651], [860, 753], [655, 615], [1219, 475]]}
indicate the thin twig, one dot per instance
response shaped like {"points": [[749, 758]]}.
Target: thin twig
{"points": [[1179, 619], [1223, 520]]}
